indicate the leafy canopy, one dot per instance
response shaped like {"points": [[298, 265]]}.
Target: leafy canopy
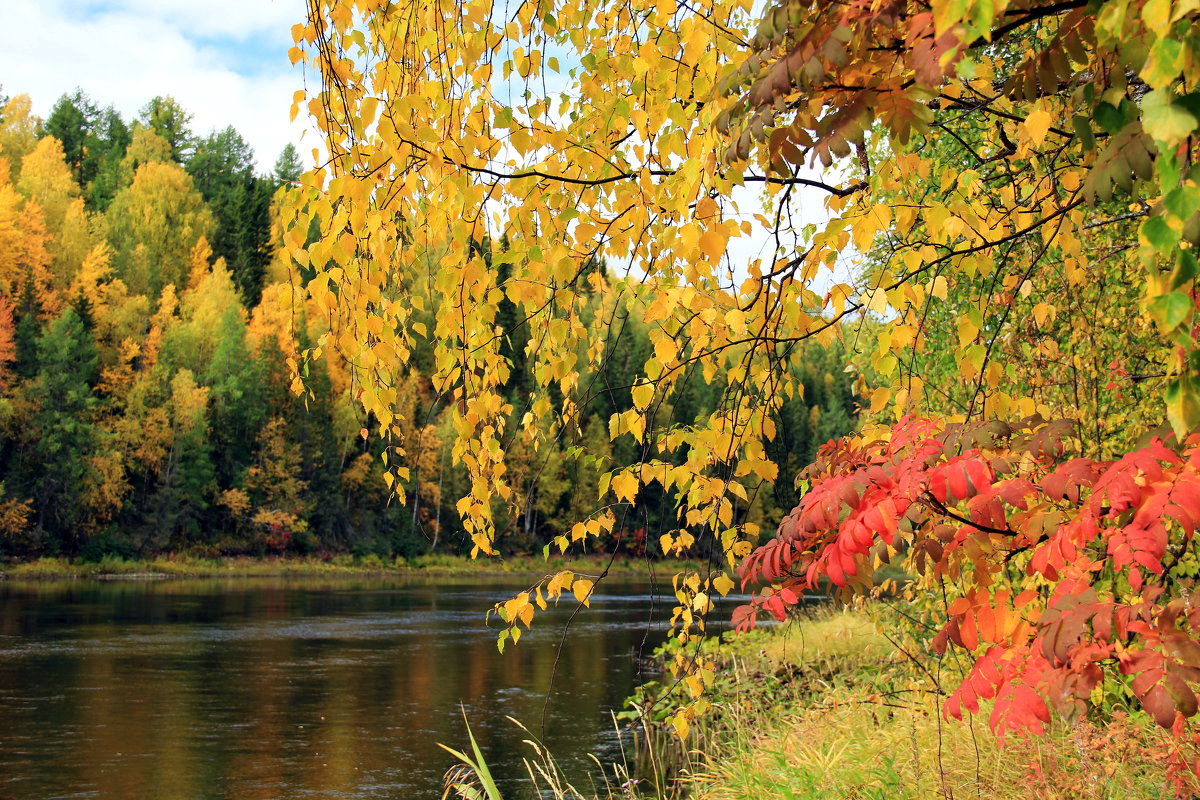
{"points": [[1012, 184]]}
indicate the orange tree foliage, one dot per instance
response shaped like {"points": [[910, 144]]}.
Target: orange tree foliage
{"points": [[991, 508], [1011, 184]]}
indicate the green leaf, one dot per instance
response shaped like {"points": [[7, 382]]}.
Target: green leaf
{"points": [[1186, 269], [477, 765], [1159, 234], [1171, 310], [1165, 120], [1164, 63], [1183, 406], [971, 360], [1183, 201], [605, 479], [1083, 131], [1169, 169], [1109, 118]]}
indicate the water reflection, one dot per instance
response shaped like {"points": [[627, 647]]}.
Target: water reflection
{"points": [[276, 688]]}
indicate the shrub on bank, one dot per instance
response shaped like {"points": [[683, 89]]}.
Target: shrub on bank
{"points": [[826, 706]]}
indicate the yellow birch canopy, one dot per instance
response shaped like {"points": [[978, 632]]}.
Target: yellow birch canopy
{"points": [[1011, 184]]}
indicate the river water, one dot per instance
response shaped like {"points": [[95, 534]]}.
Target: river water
{"points": [[251, 689]]}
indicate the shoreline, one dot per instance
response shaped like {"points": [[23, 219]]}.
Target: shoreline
{"points": [[186, 566]]}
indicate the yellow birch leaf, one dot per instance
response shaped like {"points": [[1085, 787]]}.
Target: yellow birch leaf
{"points": [[583, 590], [880, 398], [643, 393], [665, 350], [712, 243], [1036, 125], [967, 331], [625, 486]]}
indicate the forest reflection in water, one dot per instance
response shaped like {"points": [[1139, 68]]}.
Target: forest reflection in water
{"points": [[250, 689]]}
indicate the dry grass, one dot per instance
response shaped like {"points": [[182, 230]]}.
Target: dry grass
{"points": [[848, 725]]}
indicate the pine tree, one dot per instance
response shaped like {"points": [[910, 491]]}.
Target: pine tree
{"points": [[29, 310], [222, 168], [168, 119], [64, 435], [72, 122], [288, 166]]}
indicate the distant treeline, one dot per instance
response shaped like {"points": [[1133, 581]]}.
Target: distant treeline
{"points": [[147, 321]]}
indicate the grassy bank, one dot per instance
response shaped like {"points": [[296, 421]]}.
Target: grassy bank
{"points": [[185, 566], [827, 707]]}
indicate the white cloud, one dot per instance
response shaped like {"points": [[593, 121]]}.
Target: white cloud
{"points": [[232, 19], [225, 61]]}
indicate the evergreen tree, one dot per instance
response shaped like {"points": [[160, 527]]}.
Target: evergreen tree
{"points": [[311, 427], [113, 138], [29, 309], [72, 121], [168, 119], [222, 167], [175, 511], [288, 166], [235, 378], [64, 435]]}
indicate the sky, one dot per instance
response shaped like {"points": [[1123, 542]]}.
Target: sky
{"points": [[225, 61]]}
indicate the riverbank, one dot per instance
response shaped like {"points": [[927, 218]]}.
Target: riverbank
{"points": [[187, 566], [828, 707]]}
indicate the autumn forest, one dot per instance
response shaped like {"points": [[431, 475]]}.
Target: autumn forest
{"points": [[149, 329], [832, 368]]}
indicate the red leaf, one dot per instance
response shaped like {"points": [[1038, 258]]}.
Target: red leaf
{"points": [[744, 617], [1160, 705]]}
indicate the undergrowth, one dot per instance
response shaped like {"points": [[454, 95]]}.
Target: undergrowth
{"points": [[827, 706]]}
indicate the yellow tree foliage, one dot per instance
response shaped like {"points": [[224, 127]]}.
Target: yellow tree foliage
{"points": [[95, 271], [153, 225], [145, 147], [18, 134], [200, 261], [278, 316], [982, 162], [119, 316], [77, 236], [188, 405], [46, 180], [14, 520], [273, 484], [214, 294], [164, 315], [23, 247], [575, 132]]}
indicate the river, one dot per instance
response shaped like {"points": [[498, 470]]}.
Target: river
{"points": [[249, 689]]}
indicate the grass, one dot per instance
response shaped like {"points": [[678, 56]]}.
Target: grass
{"points": [[828, 708], [186, 565], [843, 714]]}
